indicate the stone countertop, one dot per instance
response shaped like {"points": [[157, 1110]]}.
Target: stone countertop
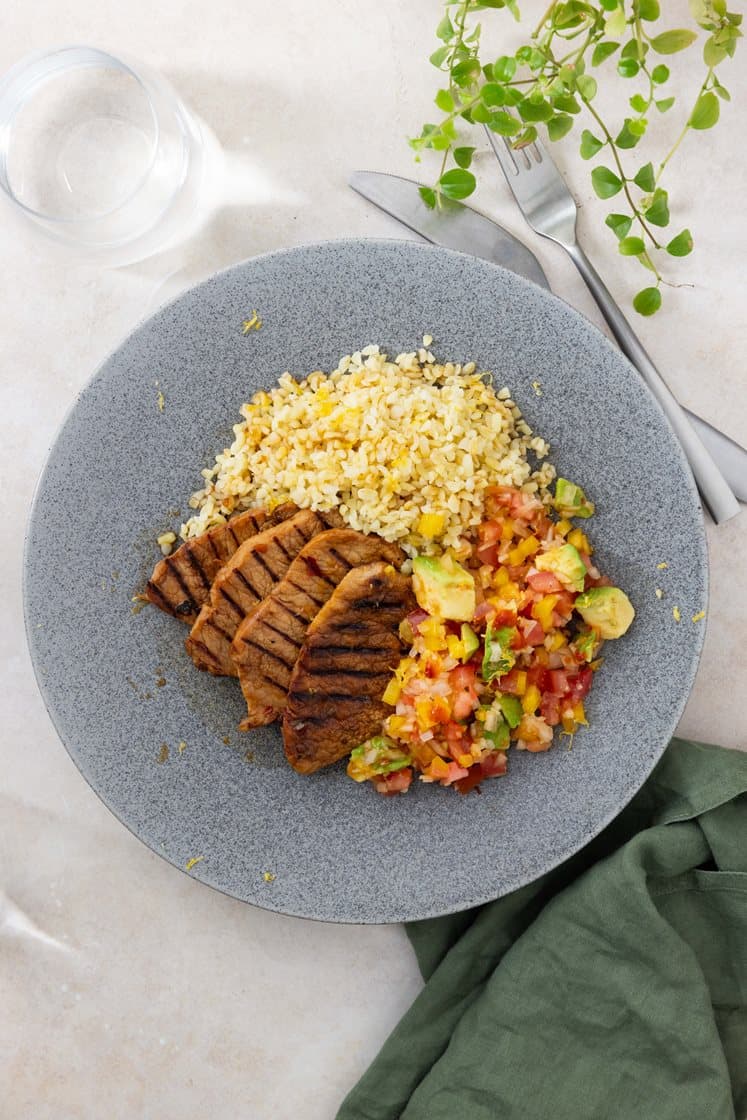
{"points": [[127, 989]]}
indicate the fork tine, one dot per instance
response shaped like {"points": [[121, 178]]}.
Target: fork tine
{"points": [[505, 154]]}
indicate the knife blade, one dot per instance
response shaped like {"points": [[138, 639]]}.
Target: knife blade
{"points": [[456, 226]]}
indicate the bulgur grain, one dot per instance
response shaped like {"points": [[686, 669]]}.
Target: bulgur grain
{"points": [[382, 442]]}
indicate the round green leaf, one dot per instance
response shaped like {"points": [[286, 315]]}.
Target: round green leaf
{"points": [[681, 245], [649, 9], [503, 123], [645, 178], [504, 68], [493, 95], [657, 213], [626, 138], [638, 103], [428, 196], [605, 182], [586, 86], [627, 67], [603, 50], [466, 72], [659, 74], [634, 49], [669, 42], [619, 224], [647, 301], [457, 183], [445, 29], [706, 111], [664, 104], [637, 126], [589, 144], [559, 126], [631, 246], [535, 110], [608, 5], [463, 156], [439, 56], [445, 101], [713, 52], [566, 103]]}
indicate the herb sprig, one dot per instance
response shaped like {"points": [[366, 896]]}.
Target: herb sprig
{"points": [[548, 83]]}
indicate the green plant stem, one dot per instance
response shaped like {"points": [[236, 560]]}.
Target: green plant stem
{"points": [[544, 19], [626, 189], [685, 130]]}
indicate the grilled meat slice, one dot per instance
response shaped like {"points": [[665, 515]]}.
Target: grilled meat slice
{"points": [[268, 641], [180, 583], [241, 584], [334, 697]]}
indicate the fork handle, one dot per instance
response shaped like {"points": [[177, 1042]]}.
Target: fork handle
{"points": [[715, 491]]}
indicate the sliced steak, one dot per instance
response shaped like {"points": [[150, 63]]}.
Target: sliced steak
{"points": [[241, 584], [268, 641], [181, 582], [334, 699]]}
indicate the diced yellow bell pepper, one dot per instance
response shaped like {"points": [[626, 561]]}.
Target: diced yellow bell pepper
{"points": [[465, 760], [395, 725], [531, 699], [579, 714], [542, 610], [507, 529], [392, 692], [431, 525], [433, 633], [403, 669], [580, 541], [500, 577], [424, 713], [529, 546], [521, 682], [555, 641], [563, 527], [569, 724], [455, 647], [438, 768]]}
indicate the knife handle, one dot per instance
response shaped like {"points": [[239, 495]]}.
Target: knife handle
{"points": [[715, 491]]}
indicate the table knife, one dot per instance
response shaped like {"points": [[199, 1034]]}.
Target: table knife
{"points": [[456, 226]]}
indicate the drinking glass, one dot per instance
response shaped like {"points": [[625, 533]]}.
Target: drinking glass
{"points": [[98, 153]]}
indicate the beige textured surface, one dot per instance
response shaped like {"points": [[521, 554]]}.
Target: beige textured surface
{"points": [[128, 991]]}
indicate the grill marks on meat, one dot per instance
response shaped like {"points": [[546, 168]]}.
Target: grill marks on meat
{"points": [[180, 584], [334, 696], [269, 640], [241, 584]]}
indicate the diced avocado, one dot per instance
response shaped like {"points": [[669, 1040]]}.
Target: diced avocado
{"points": [[379, 755], [565, 564], [607, 609], [512, 709], [570, 500], [498, 658], [443, 588], [498, 739], [470, 641], [586, 643]]}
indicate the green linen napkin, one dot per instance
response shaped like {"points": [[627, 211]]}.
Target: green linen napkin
{"points": [[614, 988]]}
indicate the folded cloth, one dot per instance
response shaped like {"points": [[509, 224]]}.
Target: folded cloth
{"points": [[613, 988]]}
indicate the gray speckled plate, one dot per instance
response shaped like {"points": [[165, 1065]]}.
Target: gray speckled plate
{"points": [[119, 685]]}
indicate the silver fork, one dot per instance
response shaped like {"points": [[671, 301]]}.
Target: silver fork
{"points": [[550, 209]]}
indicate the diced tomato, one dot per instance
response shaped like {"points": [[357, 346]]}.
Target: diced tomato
{"points": [[472, 781], [558, 682], [465, 702], [396, 782], [563, 609], [489, 532], [532, 632], [544, 582], [504, 618], [455, 734], [493, 764], [488, 554], [509, 683], [462, 677], [579, 686], [455, 773], [550, 709]]}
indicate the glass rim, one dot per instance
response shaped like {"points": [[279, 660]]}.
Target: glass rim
{"points": [[95, 55]]}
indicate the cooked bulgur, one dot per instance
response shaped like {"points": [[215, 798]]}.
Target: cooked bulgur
{"points": [[403, 448]]}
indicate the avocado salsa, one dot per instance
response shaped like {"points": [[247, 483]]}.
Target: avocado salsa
{"points": [[502, 649]]}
